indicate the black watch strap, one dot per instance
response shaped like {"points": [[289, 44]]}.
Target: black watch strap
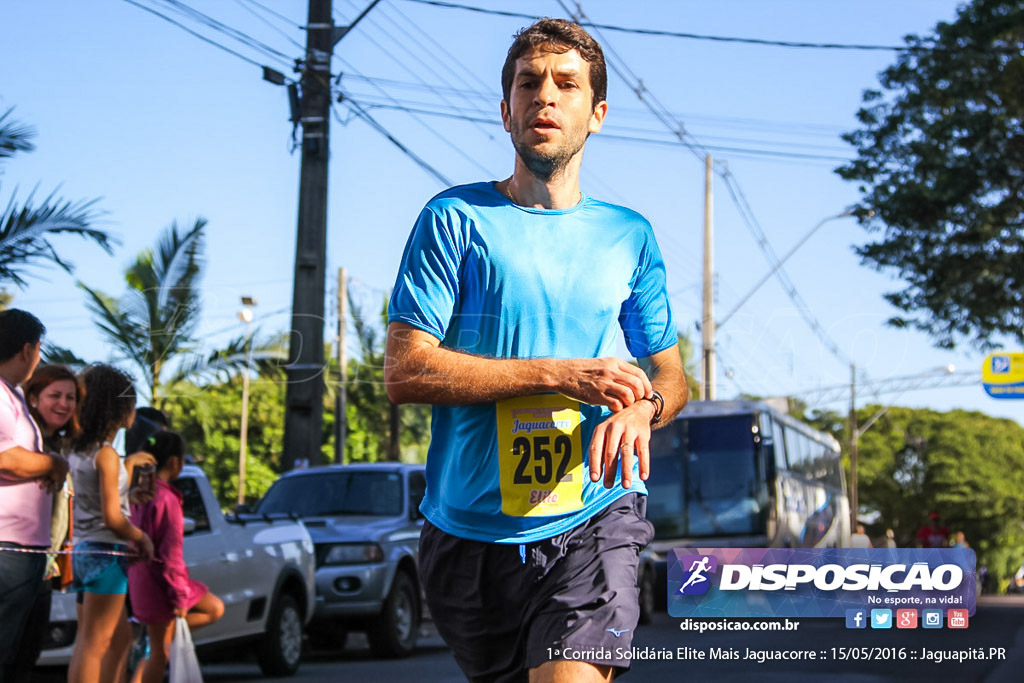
{"points": [[659, 405]]}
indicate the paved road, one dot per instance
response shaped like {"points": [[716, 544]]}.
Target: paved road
{"points": [[998, 623]]}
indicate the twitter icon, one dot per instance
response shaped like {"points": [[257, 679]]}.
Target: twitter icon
{"points": [[881, 618]]}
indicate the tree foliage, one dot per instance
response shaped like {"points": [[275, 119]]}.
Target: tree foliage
{"points": [[691, 369], [369, 409], [209, 417], [27, 227], [156, 317], [940, 162], [966, 466]]}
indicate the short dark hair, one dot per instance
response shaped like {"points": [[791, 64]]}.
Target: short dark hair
{"points": [[148, 421], [557, 35], [163, 446], [17, 328]]}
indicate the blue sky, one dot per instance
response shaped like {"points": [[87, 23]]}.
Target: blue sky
{"points": [[165, 127]]}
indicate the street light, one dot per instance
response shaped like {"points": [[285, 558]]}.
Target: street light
{"points": [[855, 431], [245, 315], [851, 211]]}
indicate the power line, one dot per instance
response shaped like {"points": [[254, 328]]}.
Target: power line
{"points": [[890, 385], [194, 33], [440, 48], [637, 85], [676, 34], [459, 150], [800, 128], [244, 4], [618, 137], [229, 31], [268, 10], [747, 214], [376, 125], [701, 152], [405, 66]]}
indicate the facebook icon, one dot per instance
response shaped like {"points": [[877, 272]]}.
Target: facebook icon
{"points": [[856, 618]]}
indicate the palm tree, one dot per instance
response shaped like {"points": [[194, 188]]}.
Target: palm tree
{"points": [[152, 326], [26, 228], [153, 323]]}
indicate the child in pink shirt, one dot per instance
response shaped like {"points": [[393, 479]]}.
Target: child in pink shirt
{"points": [[162, 590]]}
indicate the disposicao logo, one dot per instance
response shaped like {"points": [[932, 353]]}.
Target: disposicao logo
{"points": [[818, 582], [696, 581]]}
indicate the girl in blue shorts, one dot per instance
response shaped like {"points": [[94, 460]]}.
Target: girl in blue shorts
{"points": [[103, 533]]}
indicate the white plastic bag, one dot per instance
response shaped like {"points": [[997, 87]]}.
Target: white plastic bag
{"points": [[184, 665]]}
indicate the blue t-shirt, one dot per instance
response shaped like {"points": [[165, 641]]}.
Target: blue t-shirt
{"points": [[491, 278]]}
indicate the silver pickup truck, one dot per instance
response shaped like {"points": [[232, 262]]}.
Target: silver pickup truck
{"points": [[261, 567], [365, 523]]}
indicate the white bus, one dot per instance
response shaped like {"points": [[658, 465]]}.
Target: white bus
{"points": [[740, 474]]}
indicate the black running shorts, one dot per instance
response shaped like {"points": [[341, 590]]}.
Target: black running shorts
{"points": [[506, 608]]}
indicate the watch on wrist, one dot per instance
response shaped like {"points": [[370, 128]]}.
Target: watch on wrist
{"points": [[659, 405]]}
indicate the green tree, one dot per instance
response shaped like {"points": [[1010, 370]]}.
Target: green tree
{"points": [[691, 368], [153, 323], [369, 410], [940, 162], [967, 466], [27, 228], [209, 417]]}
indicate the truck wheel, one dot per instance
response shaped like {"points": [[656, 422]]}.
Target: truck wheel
{"points": [[393, 633], [646, 595], [280, 650]]}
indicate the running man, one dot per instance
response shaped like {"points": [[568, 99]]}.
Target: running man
{"points": [[505, 317]]}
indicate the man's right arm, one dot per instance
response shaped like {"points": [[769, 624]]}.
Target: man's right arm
{"points": [[20, 463], [417, 369]]}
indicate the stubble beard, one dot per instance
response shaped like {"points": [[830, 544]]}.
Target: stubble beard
{"points": [[546, 165]]}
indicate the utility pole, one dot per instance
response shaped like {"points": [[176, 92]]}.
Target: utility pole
{"points": [[341, 395], [854, 438], [303, 422], [707, 326], [243, 438]]}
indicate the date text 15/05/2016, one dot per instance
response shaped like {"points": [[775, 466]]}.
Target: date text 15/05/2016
{"points": [[761, 656]]}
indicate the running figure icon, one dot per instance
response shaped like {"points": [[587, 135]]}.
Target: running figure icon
{"points": [[697, 570]]}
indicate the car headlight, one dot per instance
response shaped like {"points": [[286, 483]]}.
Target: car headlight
{"points": [[354, 553]]}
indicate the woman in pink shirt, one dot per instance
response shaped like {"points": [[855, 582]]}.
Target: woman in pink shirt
{"points": [[162, 590]]}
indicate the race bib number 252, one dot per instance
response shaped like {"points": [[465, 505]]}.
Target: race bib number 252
{"points": [[540, 456]]}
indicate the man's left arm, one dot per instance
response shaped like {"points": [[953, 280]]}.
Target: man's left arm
{"points": [[626, 435]]}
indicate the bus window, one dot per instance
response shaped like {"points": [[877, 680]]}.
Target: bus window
{"points": [[796, 444], [704, 480], [779, 437], [767, 464]]}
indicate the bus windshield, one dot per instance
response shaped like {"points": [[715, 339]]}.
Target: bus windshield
{"points": [[704, 479]]}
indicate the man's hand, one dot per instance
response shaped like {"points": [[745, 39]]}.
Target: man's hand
{"points": [[625, 435], [608, 382], [53, 481]]}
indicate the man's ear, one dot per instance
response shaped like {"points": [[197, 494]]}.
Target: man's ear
{"points": [[597, 118], [506, 116]]}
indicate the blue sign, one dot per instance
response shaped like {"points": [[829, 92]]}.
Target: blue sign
{"points": [[1002, 375]]}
